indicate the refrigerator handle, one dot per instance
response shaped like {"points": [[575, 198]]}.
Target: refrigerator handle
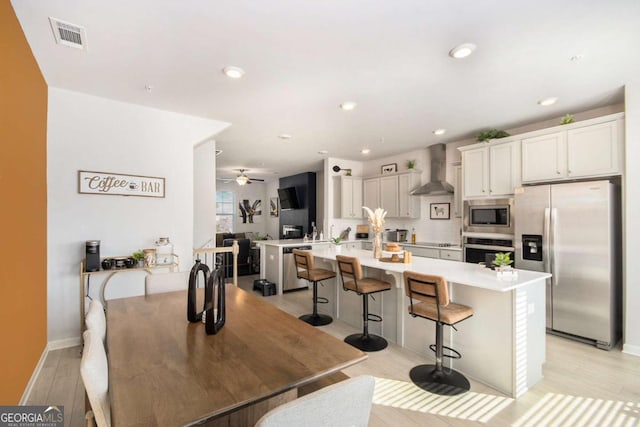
{"points": [[545, 239], [552, 246]]}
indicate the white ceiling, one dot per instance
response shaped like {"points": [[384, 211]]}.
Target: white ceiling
{"points": [[302, 59]]}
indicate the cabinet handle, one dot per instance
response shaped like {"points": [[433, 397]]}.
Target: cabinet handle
{"points": [[569, 171], [558, 172]]}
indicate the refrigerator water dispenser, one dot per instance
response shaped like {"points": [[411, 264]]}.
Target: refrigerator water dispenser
{"points": [[532, 247]]}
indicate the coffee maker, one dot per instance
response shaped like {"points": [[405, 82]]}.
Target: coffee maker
{"points": [[92, 255]]}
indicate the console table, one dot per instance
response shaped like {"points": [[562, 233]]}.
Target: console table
{"points": [[85, 277]]}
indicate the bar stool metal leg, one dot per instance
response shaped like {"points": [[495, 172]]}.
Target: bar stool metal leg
{"points": [[435, 379], [316, 319], [365, 341]]}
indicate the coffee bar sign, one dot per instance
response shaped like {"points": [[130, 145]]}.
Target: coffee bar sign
{"points": [[116, 184]]}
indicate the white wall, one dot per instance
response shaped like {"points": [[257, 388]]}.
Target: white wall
{"points": [[204, 193], [631, 230], [91, 133], [273, 222]]}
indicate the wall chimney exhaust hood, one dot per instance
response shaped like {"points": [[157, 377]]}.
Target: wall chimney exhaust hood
{"points": [[438, 185]]}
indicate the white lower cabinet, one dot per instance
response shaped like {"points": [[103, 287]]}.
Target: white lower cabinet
{"points": [[453, 255], [353, 245]]}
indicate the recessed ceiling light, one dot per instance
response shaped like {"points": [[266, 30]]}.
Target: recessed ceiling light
{"points": [[284, 136], [548, 101], [348, 106], [365, 151], [323, 152], [462, 51], [439, 131], [233, 72]]}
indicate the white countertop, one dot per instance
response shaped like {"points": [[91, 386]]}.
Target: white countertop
{"points": [[301, 242], [454, 271]]}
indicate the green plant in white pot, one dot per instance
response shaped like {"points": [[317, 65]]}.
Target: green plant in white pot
{"points": [[337, 243], [502, 261]]}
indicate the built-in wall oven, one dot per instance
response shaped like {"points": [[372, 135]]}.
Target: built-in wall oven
{"points": [[488, 216], [483, 249]]}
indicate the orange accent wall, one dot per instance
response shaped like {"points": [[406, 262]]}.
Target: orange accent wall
{"points": [[23, 209]]}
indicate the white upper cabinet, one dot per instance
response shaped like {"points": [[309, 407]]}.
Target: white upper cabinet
{"points": [[490, 170], [391, 193], [457, 195], [594, 150], [504, 168], [544, 157], [476, 173], [408, 205], [585, 149], [371, 193], [351, 197]]}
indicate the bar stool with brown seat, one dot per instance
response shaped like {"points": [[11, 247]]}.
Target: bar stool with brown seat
{"points": [[350, 268], [433, 295], [305, 269]]}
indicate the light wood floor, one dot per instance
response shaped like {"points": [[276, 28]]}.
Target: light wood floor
{"points": [[582, 385]]}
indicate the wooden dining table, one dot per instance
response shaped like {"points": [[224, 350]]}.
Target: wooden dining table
{"points": [[164, 370]]}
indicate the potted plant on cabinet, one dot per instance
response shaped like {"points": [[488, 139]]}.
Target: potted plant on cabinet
{"points": [[139, 257]]}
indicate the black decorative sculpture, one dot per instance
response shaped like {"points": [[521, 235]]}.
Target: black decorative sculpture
{"points": [[215, 288], [193, 315]]}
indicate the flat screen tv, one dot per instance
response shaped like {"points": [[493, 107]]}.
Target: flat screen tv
{"points": [[288, 198]]}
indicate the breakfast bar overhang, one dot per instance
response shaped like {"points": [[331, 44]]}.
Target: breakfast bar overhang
{"points": [[502, 345]]}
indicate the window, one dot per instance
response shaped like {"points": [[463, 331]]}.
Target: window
{"points": [[225, 209]]}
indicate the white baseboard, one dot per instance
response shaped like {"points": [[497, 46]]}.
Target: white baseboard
{"points": [[34, 376], [64, 343], [52, 345], [631, 349]]}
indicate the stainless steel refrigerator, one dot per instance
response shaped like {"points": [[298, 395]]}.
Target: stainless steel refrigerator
{"points": [[573, 232]]}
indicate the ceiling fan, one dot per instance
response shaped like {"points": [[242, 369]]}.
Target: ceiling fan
{"points": [[243, 179]]}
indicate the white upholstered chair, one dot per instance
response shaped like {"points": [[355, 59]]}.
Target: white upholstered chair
{"points": [[96, 320], [347, 403], [166, 282], [94, 371]]}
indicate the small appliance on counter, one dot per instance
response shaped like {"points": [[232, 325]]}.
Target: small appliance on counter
{"points": [[92, 255], [362, 231], [292, 232], [398, 235]]}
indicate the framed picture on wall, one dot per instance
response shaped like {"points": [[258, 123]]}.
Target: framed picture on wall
{"points": [[439, 211], [273, 207], [390, 168]]}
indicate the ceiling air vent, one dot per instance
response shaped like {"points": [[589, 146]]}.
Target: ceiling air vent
{"points": [[68, 34]]}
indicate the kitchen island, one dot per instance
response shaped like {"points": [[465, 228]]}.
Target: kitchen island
{"points": [[502, 344], [272, 265]]}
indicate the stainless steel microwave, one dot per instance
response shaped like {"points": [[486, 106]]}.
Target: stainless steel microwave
{"points": [[488, 216]]}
